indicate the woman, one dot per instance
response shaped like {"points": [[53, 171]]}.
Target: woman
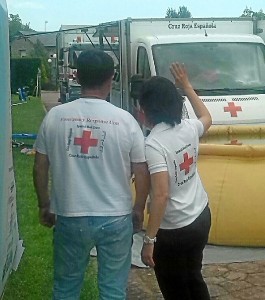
{"points": [[179, 220]]}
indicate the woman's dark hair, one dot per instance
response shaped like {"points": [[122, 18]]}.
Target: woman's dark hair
{"points": [[94, 67], [160, 101]]}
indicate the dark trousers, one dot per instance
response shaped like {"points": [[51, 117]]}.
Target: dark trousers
{"points": [[178, 257]]}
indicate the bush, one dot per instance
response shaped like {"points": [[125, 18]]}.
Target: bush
{"points": [[24, 73]]}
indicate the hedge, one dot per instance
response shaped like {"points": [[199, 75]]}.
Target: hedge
{"points": [[24, 73]]}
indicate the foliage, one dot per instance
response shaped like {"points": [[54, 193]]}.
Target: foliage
{"points": [[24, 73], [33, 279], [15, 25], [183, 12], [41, 52], [171, 13], [248, 12]]}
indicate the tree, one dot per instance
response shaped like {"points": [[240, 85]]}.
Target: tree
{"points": [[41, 52], [15, 25], [183, 12], [171, 13], [249, 13]]}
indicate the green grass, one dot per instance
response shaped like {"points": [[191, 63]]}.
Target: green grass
{"points": [[33, 279]]}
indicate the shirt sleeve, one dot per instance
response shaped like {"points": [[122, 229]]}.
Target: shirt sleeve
{"points": [[156, 160], [198, 126], [40, 143], [137, 153]]}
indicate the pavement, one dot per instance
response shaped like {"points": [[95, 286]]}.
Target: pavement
{"points": [[50, 99], [231, 273]]}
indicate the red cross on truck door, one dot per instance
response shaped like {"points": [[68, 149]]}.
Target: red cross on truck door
{"points": [[233, 109], [85, 141], [185, 165]]}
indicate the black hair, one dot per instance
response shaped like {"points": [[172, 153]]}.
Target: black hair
{"points": [[160, 101], [94, 67]]}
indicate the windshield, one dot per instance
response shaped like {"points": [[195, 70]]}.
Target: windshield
{"points": [[213, 66]]}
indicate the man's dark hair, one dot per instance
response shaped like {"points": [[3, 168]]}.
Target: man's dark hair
{"points": [[161, 101], [94, 67]]}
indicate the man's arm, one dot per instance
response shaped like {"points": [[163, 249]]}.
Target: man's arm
{"points": [[41, 183], [142, 188]]}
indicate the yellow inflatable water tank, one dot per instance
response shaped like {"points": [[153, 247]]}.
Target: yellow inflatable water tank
{"points": [[232, 168]]}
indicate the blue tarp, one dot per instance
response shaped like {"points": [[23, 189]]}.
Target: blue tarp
{"points": [[24, 136]]}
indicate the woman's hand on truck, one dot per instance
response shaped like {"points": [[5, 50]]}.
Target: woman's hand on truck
{"points": [[180, 75], [181, 78]]}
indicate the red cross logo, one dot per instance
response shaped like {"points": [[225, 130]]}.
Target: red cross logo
{"points": [[186, 164], [232, 109], [85, 141]]}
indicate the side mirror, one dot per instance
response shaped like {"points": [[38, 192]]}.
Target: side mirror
{"points": [[137, 81]]}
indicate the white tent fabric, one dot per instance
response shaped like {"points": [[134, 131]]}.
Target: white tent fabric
{"points": [[10, 253]]}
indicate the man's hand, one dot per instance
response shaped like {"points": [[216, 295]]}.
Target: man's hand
{"points": [[46, 218], [147, 255]]}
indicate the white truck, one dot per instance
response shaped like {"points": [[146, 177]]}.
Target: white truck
{"points": [[71, 40], [225, 60], [224, 57]]}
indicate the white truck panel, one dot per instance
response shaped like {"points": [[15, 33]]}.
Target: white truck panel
{"points": [[233, 109], [152, 27], [167, 39]]}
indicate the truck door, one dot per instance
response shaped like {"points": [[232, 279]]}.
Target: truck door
{"points": [[143, 69]]}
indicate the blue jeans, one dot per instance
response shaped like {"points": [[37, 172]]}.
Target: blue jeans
{"points": [[74, 237]]}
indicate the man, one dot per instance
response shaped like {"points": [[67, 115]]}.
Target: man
{"points": [[91, 148]]}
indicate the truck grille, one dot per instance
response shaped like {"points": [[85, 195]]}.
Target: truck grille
{"points": [[214, 100], [253, 98], [246, 99]]}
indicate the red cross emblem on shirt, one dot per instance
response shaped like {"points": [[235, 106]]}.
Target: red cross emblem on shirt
{"points": [[233, 109], [85, 141], [188, 161]]}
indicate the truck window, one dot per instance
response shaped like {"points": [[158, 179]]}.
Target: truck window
{"points": [[215, 65], [143, 66]]}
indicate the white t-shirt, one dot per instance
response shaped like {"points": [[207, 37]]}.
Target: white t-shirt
{"points": [[175, 150], [90, 144]]}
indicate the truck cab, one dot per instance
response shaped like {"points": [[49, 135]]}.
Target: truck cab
{"points": [[227, 72]]}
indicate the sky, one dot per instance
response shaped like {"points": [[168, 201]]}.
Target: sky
{"points": [[49, 15]]}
